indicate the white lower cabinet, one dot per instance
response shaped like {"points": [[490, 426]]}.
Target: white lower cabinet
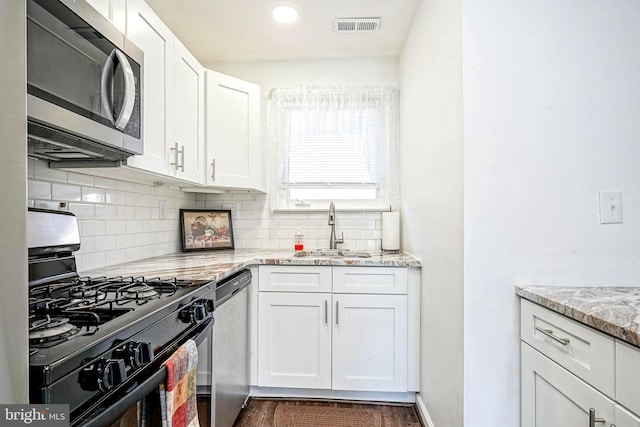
{"points": [[625, 418], [370, 342], [294, 340], [553, 397], [568, 373], [322, 340]]}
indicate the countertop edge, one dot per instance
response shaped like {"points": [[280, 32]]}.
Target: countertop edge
{"points": [[615, 328], [209, 267]]}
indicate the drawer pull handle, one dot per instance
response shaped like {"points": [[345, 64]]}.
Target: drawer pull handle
{"points": [[549, 333], [592, 418], [337, 311], [326, 312]]}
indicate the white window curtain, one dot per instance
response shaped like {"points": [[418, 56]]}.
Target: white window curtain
{"points": [[333, 143]]}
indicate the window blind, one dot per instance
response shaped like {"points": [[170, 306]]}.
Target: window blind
{"points": [[331, 149]]}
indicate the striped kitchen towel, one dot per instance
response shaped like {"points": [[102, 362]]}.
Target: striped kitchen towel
{"points": [[178, 399]]}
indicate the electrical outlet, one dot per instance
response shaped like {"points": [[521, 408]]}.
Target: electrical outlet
{"points": [[162, 204], [610, 207]]}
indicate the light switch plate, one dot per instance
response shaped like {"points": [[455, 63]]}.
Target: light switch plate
{"points": [[610, 207]]}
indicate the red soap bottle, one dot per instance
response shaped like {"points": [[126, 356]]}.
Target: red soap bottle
{"points": [[299, 243]]}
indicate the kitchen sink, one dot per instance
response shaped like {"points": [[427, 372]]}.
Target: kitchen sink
{"points": [[332, 253]]}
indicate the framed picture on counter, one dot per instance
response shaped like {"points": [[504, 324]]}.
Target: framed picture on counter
{"points": [[206, 229]]}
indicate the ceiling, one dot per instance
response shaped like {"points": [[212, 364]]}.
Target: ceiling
{"points": [[243, 30]]}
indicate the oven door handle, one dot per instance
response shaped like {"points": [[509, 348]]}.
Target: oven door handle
{"points": [[112, 413]]}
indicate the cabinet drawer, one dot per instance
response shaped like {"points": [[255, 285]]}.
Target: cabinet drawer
{"points": [[294, 279], [580, 349], [628, 375], [370, 280]]}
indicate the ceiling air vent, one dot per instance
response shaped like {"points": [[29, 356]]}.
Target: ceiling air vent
{"points": [[355, 25]]}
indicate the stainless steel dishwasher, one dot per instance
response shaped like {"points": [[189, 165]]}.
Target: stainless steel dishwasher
{"points": [[231, 348]]}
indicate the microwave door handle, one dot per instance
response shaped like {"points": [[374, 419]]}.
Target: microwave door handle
{"points": [[129, 91], [106, 84]]}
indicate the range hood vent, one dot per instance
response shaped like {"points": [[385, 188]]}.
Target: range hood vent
{"points": [[356, 25]]}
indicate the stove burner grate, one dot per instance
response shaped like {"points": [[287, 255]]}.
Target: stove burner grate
{"points": [[51, 330]]}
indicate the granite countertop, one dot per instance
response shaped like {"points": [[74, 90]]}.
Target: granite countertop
{"points": [[204, 267], [612, 310]]}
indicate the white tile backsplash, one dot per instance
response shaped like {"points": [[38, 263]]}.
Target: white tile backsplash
{"points": [[256, 226], [119, 220], [65, 192]]}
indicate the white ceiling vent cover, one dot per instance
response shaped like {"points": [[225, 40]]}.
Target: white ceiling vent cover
{"points": [[355, 25]]}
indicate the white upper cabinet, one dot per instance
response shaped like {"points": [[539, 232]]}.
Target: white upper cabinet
{"points": [[189, 115], [234, 152], [173, 107], [150, 34], [114, 10]]}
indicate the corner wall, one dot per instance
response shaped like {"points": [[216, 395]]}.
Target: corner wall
{"points": [[551, 117], [432, 197], [13, 209]]}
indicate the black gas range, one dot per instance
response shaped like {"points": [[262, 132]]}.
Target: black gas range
{"points": [[99, 343]]}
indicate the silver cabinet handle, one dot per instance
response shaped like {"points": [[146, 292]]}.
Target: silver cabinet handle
{"points": [[337, 312], [213, 169], [592, 418], [177, 153], [326, 312], [549, 333]]}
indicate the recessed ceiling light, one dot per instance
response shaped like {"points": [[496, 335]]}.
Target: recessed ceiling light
{"points": [[285, 14]]}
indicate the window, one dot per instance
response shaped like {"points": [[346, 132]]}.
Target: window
{"points": [[334, 144]]}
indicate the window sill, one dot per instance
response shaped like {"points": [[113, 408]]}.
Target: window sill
{"points": [[376, 208]]}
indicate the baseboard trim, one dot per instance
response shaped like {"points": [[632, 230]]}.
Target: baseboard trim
{"points": [[422, 412], [301, 393]]}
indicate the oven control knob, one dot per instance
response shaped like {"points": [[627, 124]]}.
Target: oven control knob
{"points": [[102, 375], [134, 354], [194, 314]]}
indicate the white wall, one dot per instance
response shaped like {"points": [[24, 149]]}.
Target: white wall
{"points": [[551, 117], [13, 187], [432, 196]]}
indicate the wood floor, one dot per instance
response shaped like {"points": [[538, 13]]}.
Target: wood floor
{"points": [[259, 412]]}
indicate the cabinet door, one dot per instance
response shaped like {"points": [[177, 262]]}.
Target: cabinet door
{"points": [[551, 396], [150, 34], [627, 375], [370, 342], [294, 340], [625, 418], [233, 132], [113, 10], [189, 115]]}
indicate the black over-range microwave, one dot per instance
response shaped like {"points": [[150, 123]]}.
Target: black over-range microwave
{"points": [[84, 87]]}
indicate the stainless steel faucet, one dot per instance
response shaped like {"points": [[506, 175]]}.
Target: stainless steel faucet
{"points": [[333, 242]]}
